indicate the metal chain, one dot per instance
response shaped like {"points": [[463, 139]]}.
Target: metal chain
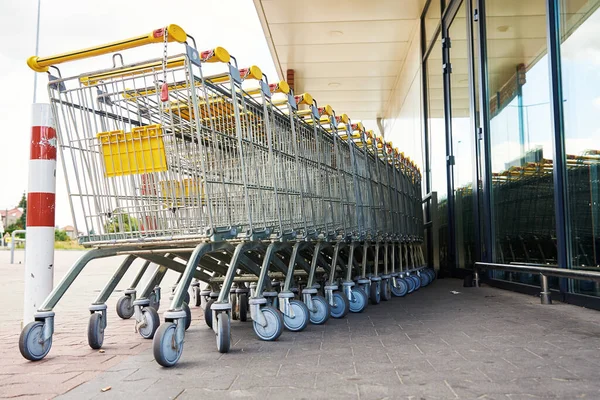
{"points": [[164, 61]]}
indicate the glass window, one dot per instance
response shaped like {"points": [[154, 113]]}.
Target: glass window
{"points": [[437, 145], [432, 20], [463, 140], [521, 135], [580, 52]]}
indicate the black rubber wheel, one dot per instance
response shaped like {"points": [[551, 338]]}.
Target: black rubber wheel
{"points": [[208, 313], [243, 303], [95, 332], [188, 315], [375, 294], [223, 333], [125, 307], [233, 299], [197, 297], [186, 297]]}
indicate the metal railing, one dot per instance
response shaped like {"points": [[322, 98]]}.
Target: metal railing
{"points": [[544, 273], [13, 242]]}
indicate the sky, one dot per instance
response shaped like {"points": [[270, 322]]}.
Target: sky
{"points": [[74, 24]]}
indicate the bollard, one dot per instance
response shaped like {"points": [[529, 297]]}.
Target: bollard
{"points": [[39, 252], [545, 293]]}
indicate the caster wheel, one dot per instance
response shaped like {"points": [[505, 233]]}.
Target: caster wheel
{"points": [[375, 292], [152, 322], [274, 326], [300, 319], [322, 312], [188, 315], [208, 313], [223, 333], [341, 305], [417, 281], [234, 310], [410, 283], [30, 344], [165, 348], [125, 307], [401, 288], [425, 279], [386, 290], [95, 331], [358, 302], [197, 297], [431, 273], [243, 300], [154, 302]]}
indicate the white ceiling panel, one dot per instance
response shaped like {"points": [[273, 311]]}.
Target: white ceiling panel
{"points": [[389, 51], [341, 32], [286, 11], [346, 53], [345, 84], [344, 69]]}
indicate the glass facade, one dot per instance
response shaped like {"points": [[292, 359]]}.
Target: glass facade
{"points": [[580, 62], [510, 158]]}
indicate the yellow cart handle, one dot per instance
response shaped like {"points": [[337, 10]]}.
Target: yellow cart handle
{"points": [[174, 32]]}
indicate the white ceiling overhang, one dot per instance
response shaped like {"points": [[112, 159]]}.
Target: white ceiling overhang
{"points": [[346, 53]]}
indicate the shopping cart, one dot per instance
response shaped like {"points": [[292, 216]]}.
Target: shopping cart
{"points": [[261, 194]]}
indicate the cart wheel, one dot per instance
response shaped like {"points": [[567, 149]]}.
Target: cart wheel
{"points": [[300, 319], [431, 273], [208, 313], [125, 307], [154, 302], [274, 326], [375, 292], [197, 297], [401, 288], [95, 331], [223, 333], [386, 292], [358, 302], [425, 279], [410, 283], [244, 307], [341, 305], [321, 315], [186, 297], [188, 315], [234, 312], [30, 341], [416, 280], [166, 350], [150, 316]]}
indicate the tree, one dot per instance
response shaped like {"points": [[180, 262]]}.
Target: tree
{"points": [[61, 236], [23, 205], [121, 223]]}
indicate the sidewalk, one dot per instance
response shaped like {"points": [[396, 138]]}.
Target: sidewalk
{"points": [[478, 344]]}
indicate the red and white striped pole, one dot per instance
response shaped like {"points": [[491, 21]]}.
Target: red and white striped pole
{"points": [[39, 249]]}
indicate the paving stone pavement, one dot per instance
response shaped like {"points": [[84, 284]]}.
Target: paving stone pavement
{"points": [[71, 362], [478, 344]]}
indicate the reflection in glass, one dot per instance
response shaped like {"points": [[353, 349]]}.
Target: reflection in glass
{"points": [[521, 135], [580, 52], [462, 137], [437, 143], [432, 20]]}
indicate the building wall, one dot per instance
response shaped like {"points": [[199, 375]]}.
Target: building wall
{"points": [[403, 121]]}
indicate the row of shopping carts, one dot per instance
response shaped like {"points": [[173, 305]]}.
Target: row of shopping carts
{"points": [[287, 211]]}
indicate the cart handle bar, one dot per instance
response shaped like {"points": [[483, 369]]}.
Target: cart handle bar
{"points": [[175, 34]]}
